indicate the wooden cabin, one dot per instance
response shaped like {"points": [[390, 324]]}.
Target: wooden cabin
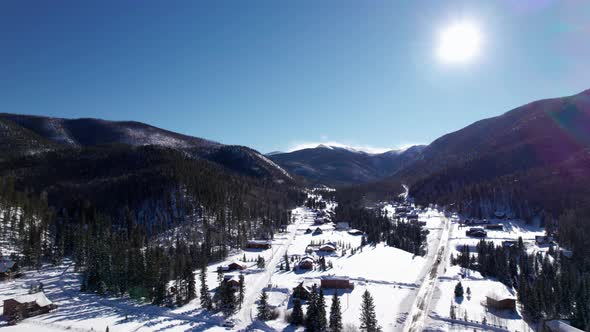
{"points": [[336, 283], [328, 247], [258, 244], [306, 263], [302, 291], [25, 306], [501, 302], [232, 280], [233, 266]]}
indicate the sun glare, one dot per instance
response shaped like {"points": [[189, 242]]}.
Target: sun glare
{"points": [[459, 42]]}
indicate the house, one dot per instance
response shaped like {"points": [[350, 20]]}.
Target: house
{"points": [[306, 263], [317, 231], [495, 227], [355, 232], [476, 232], [258, 244], [558, 325], [25, 306], [501, 302], [302, 291], [336, 283], [328, 247], [232, 280], [342, 226], [235, 265]]}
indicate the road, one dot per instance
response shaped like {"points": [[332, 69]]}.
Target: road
{"points": [[421, 307], [247, 314]]}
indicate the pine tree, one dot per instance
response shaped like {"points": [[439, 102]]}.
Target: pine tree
{"points": [[287, 266], [206, 301], [263, 309], [241, 290], [191, 285], [368, 315], [297, 314], [335, 315], [321, 308], [311, 316], [227, 299], [459, 290]]}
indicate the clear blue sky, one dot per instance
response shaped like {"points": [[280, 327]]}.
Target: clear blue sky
{"points": [[273, 74]]}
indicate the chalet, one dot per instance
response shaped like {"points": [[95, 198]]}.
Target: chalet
{"points": [[302, 291], [495, 227], [232, 280], [236, 266], [355, 232], [306, 263], [336, 283], [258, 244], [328, 247], [318, 231], [501, 302], [476, 232], [558, 325], [25, 306]]}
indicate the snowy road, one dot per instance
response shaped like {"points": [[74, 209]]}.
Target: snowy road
{"points": [[421, 306], [247, 314]]}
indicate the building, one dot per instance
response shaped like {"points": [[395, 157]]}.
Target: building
{"points": [[25, 306], [495, 227], [336, 283], [328, 247], [558, 325], [501, 302], [236, 266], [476, 232], [302, 291], [318, 231], [258, 244], [232, 280], [306, 263], [355, 232]]}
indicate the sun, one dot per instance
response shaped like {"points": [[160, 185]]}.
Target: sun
{"points": [[459, 42]]}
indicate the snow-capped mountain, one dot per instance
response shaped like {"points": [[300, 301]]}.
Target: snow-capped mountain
{"points": [[341, 165]]}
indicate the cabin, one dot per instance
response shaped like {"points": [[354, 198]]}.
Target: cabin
{"points": [[558, 325], [258, 244], [336, 283], [355, 232], [25, 306], [233, 266], [476, 232], [328, 247], [318, 231], [232, 280], [501, 302], [495, 227], [306, 263], [302, 291]]}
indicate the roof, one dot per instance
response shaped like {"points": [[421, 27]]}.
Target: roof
{"points": [[38, 298], [231, 277], [560, 325], [327, 245], [307, 258]]}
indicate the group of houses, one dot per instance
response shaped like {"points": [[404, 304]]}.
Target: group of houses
{"points": [[303, 290]]}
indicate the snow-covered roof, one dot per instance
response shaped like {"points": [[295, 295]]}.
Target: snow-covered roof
{"points": [[38, 298], [307, 258]]}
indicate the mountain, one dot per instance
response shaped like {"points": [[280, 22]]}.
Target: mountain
{"points": [[538, 152], [27, 134], [339, 166]]}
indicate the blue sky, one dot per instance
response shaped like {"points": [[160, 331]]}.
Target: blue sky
{"points": [[276, 74]]}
